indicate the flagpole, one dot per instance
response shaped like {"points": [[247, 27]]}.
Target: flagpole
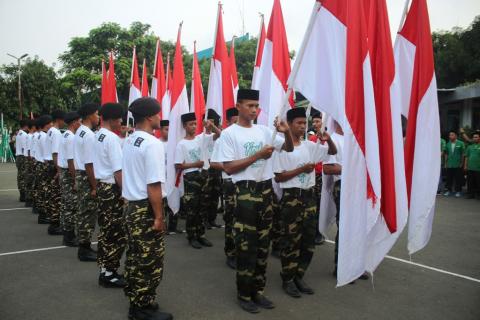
{"points": [[404, 15], [259, 36], [212, 60]]}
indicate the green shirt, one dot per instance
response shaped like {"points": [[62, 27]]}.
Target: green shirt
{"points": [[473, 156], [455, 152]]}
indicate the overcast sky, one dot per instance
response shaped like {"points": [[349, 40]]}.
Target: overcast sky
{"points": [[44, 27]]}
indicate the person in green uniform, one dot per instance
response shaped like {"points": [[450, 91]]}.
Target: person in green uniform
{"points": [[472, 167], [443, 144], [454, 152]]}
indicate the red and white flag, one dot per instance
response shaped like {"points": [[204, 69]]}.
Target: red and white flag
{"points": [[393, 205], [220, 90], [144, 89], [275, 69], [415, 93], [166, 101], [176, 132], [333, 72], [104, 90], [197, 99], [112, 81], [233, 69], [135, 89], [159, 88], [262, 35]]}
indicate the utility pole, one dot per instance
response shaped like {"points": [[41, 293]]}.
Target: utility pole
{"points": [[19, 82]]}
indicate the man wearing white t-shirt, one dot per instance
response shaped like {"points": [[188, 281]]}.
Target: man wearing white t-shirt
{"points": [[43, 156], [20, 146], [30, 164], [107, 165], [143, 172], [246, 152], [294, 171]]}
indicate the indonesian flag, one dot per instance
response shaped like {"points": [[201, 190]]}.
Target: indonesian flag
{"points": [[258, 55], [104, 84], [233, 69], [393, 205], [176, 132], [415, 93], [220, 90], [135, 91], [159, 88], [166, 101], [112, 82], [274, 69], [144, 79], [197, 99], [333, 72]]}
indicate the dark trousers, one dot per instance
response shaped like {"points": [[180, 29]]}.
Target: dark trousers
{"points": [[473, 182], [454, 177]]}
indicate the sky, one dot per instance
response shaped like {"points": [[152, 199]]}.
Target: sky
{"points": [[44, 27]]}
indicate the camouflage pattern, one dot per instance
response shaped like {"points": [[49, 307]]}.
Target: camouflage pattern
{"points": [[253, 222], [145, 252], [69, 202], [29, 179], [87, 208], [317, 189], [229, 217], [111, 238], [299, 215], [20, 163], [172, 218], [337, 189], [41, 178], [52, 193], [276, 234], [194, 203], [213, 191]]}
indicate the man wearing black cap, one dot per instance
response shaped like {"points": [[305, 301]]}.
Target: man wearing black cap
{"points": [[107, 165], [29, 164], [69, 200], [245, 151], [53, 189], [20, 146], [294, 171], [228, 196], [36, 157], [143, 171], [85, 180], [44, 154], [189, 161]]}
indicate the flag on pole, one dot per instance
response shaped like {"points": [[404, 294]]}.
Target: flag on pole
{"points": [[144, 87], [415, 93], [220, 90], [179, 102], [159, 88], [112, 81], [333, 72], [259, 53], [233, 69], [104, 89], [135, 89], [197, 99], [166, 103], [275, 69]]}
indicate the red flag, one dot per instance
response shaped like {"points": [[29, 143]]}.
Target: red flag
{"points": [[104, 84], [144, 79], [135, 91], [197, 99], [159, 88], [112, 82], [233, 68]]}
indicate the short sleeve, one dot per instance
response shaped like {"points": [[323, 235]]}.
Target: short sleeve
{"points": [[56, 142], [88, 148], [226, 149], [154, 162], [179, 156], [115, 153], [69, 147]]}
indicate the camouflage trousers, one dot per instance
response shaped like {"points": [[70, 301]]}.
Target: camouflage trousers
{"points": [[168, 213], [276, 234], [229, 216], [69, 202], [213, 192], [145, 252], [194, 203], [318, 194], [299, 215], [111, 238], [29, 177], [87, 208], [52, 193], [253, 221], [40, 184], [337, 189], [20, 163]]}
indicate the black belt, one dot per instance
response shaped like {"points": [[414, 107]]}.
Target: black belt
{"points": [[299, 191], [192, 173], [143, 201], [254, 185], [82, 172]]}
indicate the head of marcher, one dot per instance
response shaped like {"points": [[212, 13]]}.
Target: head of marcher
{"points": [[145, 113], [89, 114], [58, 117], [247, 106], [213, 116], [297, 120], [232, 116], [452, 135], [111, 114], [164, 124], [72, 119], [476, 137], [316, 120], [45, 122], [24, 124], [189, 122], [32, 126]]}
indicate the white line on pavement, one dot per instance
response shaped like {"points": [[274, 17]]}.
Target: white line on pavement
{"points": [[11, 209], [8, 190], [8, 171], [34, 250]]}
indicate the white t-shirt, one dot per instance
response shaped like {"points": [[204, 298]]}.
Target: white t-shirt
{"points": [[240, 142], [143, 163], [337, 158], [47, 146], [41, 139], [164, 190], [28, 144], [189, 151], [83, 147], [33, 145], [306, 152], [65, 152], [108, 155], [55, 137], [20, 142]]}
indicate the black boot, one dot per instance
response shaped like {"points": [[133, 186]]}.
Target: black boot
{"points": [[42, 218], [302, 286], [54, 229], [86, 253], [248, 306], [28, 204], [290, 289], [147, 313], [195, 244], [34, 210], [22, 196], [262, 301], [69, 239], [204, 242], [113, 280], [232, 263]]}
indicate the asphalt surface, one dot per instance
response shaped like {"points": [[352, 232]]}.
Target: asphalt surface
{"points": [[52, 284]]}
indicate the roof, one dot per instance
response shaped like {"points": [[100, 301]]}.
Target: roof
{"points": [[207, 53]]}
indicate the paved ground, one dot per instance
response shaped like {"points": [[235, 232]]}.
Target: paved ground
{"points": [[53, 284]]}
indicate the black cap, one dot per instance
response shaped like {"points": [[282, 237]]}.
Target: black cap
{"points": [[58, 114], [31, 123], [188, 117], [296, 113], [88, 109], [23, 123], [212, 115], [71, 116], [164, 123], [144, 107], [42, 121], [232, 112], [111, 111], [248, 94]]}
